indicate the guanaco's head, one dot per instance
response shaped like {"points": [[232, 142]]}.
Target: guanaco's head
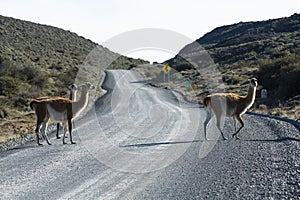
{"points": [[73, 87], [86, 86], [253, 82]]}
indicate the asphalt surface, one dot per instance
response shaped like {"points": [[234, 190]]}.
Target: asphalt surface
{"points": [[141, 142]]}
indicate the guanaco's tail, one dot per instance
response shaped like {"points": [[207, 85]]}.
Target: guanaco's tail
{"points": [[33, 104], [206, 101]]}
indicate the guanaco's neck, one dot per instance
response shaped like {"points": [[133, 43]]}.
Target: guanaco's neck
{"points": [[251, 95], [73, 95], [79, 105]]}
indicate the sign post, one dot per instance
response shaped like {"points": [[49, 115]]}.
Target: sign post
{"points": [[166, 69]]}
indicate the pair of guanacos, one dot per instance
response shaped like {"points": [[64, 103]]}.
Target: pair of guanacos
{"points": [[60, 110], [64, 110]]}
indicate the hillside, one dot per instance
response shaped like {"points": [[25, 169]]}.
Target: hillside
{"points": [[40, 60], [269, 50]]}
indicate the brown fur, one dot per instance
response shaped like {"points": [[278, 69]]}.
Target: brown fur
{"points": [[59, 102]]}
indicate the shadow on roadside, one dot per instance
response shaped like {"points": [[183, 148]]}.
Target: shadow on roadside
{"points": [[23, 147], [282, 139], [160, 143]]}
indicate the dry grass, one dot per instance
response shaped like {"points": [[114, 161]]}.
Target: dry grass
{"points": [[16, 125], [291, 112]]}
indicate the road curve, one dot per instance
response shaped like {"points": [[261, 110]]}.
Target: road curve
{"points": [[141, 142]]}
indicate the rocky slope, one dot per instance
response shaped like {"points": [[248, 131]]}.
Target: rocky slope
{"points": [[269, 50]]}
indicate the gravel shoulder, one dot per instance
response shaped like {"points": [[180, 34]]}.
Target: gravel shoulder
{"points": [[264, 164]]}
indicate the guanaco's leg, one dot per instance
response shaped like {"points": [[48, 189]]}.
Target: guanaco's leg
{"points": [[65, 131], [44, 131], [234, 122], [218, 118], [37, 130], [41, 120], [209, 115], [239, 118], [70, 131], [57, 131]]}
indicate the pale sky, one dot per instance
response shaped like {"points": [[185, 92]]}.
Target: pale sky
{"points": [[101, 20]]}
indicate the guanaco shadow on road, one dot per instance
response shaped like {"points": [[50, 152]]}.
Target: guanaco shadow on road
{"points": [[282, 139], [23, 147], [160, 143], [141, 82]]}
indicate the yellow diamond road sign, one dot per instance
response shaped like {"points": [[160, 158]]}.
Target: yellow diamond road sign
{"points": [[166, 68]]}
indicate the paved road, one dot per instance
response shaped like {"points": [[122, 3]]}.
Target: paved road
{"points": [[140, 142]]}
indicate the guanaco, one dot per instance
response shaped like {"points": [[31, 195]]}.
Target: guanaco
{"points": [[229, 105]]}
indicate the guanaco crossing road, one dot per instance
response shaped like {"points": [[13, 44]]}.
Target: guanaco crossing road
{"points": [[141, 142]]}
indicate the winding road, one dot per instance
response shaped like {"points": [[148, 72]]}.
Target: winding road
{"points": [[142, 142]]}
